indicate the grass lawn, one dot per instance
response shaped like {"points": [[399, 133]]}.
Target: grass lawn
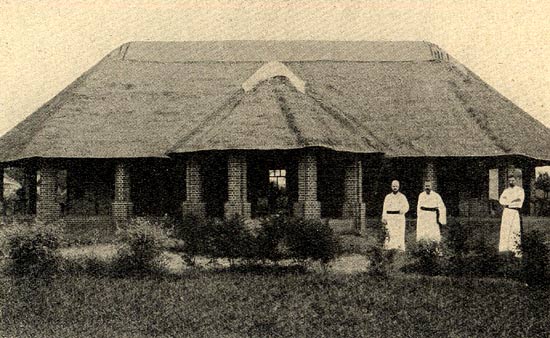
{"points": [[230, 304]]}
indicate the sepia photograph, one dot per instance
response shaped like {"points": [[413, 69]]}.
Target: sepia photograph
{"points": [[274, 168]]}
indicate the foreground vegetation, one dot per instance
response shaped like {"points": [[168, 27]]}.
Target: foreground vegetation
{"points": [[46, 294], [231, 304]]}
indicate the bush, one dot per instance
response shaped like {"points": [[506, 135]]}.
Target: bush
{"points": [[194, 232], [271, 238], [311, 239], [455, 248], [425, 257], [535, 259], [482, 260], [456, 241], [380, 260], [32, 249], [231, 239], [143, 242]]}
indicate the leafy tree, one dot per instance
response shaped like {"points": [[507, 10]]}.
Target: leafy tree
{"points": [[543, 183]]}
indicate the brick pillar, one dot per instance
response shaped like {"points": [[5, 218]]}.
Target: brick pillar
{"points": [[529, 177], [194, 204], [532, 196], [307, 205], [354, 207], [122, 206], [2, 204], [48, 208], [237, 187], [430, 174]]}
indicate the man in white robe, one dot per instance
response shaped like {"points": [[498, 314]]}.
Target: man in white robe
{"points": [[431, 212], [510, 226], [393, 217]]}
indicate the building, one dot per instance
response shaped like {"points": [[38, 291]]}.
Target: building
{"points": [[317, 129]]}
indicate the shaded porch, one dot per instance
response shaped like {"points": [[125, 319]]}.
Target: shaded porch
{"points": [[310, 183]]}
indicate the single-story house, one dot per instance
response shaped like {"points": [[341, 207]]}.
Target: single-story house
{"points": [[317, 129]]}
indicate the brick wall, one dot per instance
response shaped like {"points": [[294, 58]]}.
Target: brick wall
{"points": [[430, 174], [48, 207], [307, 205], [122, 206], [194, 203], [2, 206], [354, 208], [237, 187]]}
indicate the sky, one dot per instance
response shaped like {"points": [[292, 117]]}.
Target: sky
{"points": [[45, 45]]}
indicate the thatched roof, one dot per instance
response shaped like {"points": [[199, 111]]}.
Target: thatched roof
{"points": [[155, 99]]}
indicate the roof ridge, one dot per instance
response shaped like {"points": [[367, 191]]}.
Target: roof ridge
{"points": [[281, 50]]}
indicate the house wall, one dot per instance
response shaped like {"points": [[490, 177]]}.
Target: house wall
{"points": [[158, 187]]}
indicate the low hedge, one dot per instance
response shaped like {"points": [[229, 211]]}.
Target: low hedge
{"points": [[278, 237]]}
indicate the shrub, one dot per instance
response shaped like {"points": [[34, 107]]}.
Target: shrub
{"points": [[380, 260], [143, 243], [194, 232], [456, 241], [311, 239], [535, 259], [32, 249], [271, 238], [425, 257], [482, 260], [231, 239], [455, 249], [379, 234]]}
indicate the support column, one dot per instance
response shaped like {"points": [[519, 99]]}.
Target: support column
{"points": [[354, 207], [533, 195], [430, 174], [122, 206], [194, 204], [237, 187], [307, 205], [2, 203], [48, 208], [529, 177]]}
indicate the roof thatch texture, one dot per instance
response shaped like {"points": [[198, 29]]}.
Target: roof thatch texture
{"points": [[153, 99]]}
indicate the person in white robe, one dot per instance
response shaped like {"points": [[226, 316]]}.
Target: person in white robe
{"points": [[393, 217], [431, 212], [510, 226]]}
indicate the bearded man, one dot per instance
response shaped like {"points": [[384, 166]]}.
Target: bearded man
{"points": [[393, 217]]}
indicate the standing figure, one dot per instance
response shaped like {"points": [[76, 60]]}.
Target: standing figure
{"points": [[393, 217], [431, 212], [510, 226]]}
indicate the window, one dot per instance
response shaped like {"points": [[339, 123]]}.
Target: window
{"points": [[277, 177]]}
